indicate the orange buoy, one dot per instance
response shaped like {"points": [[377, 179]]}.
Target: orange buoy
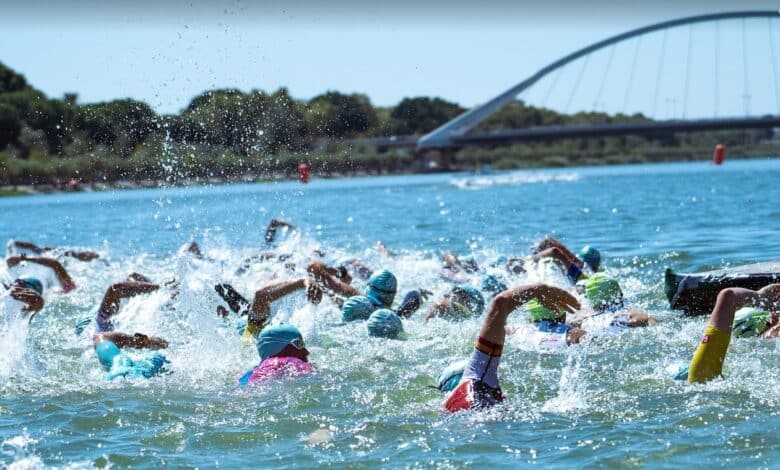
{"points": [[303, 172], [719, 155]]}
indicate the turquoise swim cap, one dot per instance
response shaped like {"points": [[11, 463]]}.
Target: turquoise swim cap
{"points": [[384, 323], [538, 312], [106, 352], [450, 376], [591, 257], [470, 297], [273, 339], [750, 321], [32, 283], [357, 307], [603, 291], [381, 288], [492, 284]]}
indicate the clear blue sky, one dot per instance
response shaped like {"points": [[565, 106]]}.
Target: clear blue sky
{"points": [[166, 52]]}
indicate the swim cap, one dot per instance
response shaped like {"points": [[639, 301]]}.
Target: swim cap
{"points": [[538, 312], [152, 364], [32, 283], [471, 297], [750, 321], [492, 284], [275, 338], [384, 323], [381, 288], [106, 352], [603, 290], [357, 307], [591, 257], [451, 375]]}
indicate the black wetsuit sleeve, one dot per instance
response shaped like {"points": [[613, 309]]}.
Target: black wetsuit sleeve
{"points": [[411, 303]]}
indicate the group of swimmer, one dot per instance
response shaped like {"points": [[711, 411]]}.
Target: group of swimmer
{"points": [[470, 384]]}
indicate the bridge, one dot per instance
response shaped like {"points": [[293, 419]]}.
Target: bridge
{"points": [[674, 66]]}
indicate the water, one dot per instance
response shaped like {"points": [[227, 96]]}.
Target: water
{"points": [[607, 403]]}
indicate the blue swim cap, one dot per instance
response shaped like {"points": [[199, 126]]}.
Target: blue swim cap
{"points": [[106, 352], [591, 257], [492, 284], [381, 288], [470, 297], [357, 307], [32, 283], [451, 375], [275, 338], [384, 323]]}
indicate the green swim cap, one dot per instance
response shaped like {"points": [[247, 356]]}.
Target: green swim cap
{"points": [[384, 323], [538, 312], [603, 290], [750, 321], [357, 307], [273, 339]]}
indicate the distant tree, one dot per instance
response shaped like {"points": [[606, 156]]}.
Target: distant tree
{"points": [[119, 124], [10, 80], [10, 125], [422, 114], [335, 114]]}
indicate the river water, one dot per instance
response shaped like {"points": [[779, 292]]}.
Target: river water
{"points": [[609, 402]]}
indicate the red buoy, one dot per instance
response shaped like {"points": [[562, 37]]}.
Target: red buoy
{"points": [[719, 155], [303, 172]]}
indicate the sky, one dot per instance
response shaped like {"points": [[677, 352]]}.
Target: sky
{"points": [[165, 52]]}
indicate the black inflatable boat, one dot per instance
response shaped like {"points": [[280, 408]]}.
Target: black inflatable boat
{"points": [[695, 294]]}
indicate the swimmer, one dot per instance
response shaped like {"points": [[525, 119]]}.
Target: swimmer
{"points": [[29, 246], [29, 291], [116, 363], [456, 270], [729, 318], [258, 312], [66, 282], [282, 354], [606, 297], [479, 386], [461, 302], [273, 226], [577, 267]]}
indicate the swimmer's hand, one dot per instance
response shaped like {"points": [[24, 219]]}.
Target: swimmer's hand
{"points": [[12, 261], [769, 296], [313, 292], [555, 299], [32, 300]]}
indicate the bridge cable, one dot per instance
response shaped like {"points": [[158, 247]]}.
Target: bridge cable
{"points": [[577, 83], [552, 87], [661, 57], [631, 74], [604, 80], [687, 72], [745, 94], [716, 75], [769, 24]]}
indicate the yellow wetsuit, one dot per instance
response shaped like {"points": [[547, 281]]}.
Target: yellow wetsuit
{"points": [[707, 362]]}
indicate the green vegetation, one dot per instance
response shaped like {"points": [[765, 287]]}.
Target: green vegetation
{"points": [[236, 135]]}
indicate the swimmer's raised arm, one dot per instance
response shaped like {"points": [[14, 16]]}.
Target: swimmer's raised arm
{"points": [[122, 290], [59, 270], [270, 232], [28, 246], [32, 300], [323, 276]]}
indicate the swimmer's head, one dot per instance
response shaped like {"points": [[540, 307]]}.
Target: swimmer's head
{"points": [[381, 288], [603, 291], [750, 321], [384, 323], [451, 376], [492, 284], [538, 312], [29, 282], [276, 339], [357, 308], [591, 257], [470, 297], [106, 352]]}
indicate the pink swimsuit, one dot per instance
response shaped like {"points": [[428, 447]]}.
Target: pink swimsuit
{"points": [[277, 367]]}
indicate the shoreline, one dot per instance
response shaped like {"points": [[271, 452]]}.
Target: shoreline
{"points": [[32, 190]]}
